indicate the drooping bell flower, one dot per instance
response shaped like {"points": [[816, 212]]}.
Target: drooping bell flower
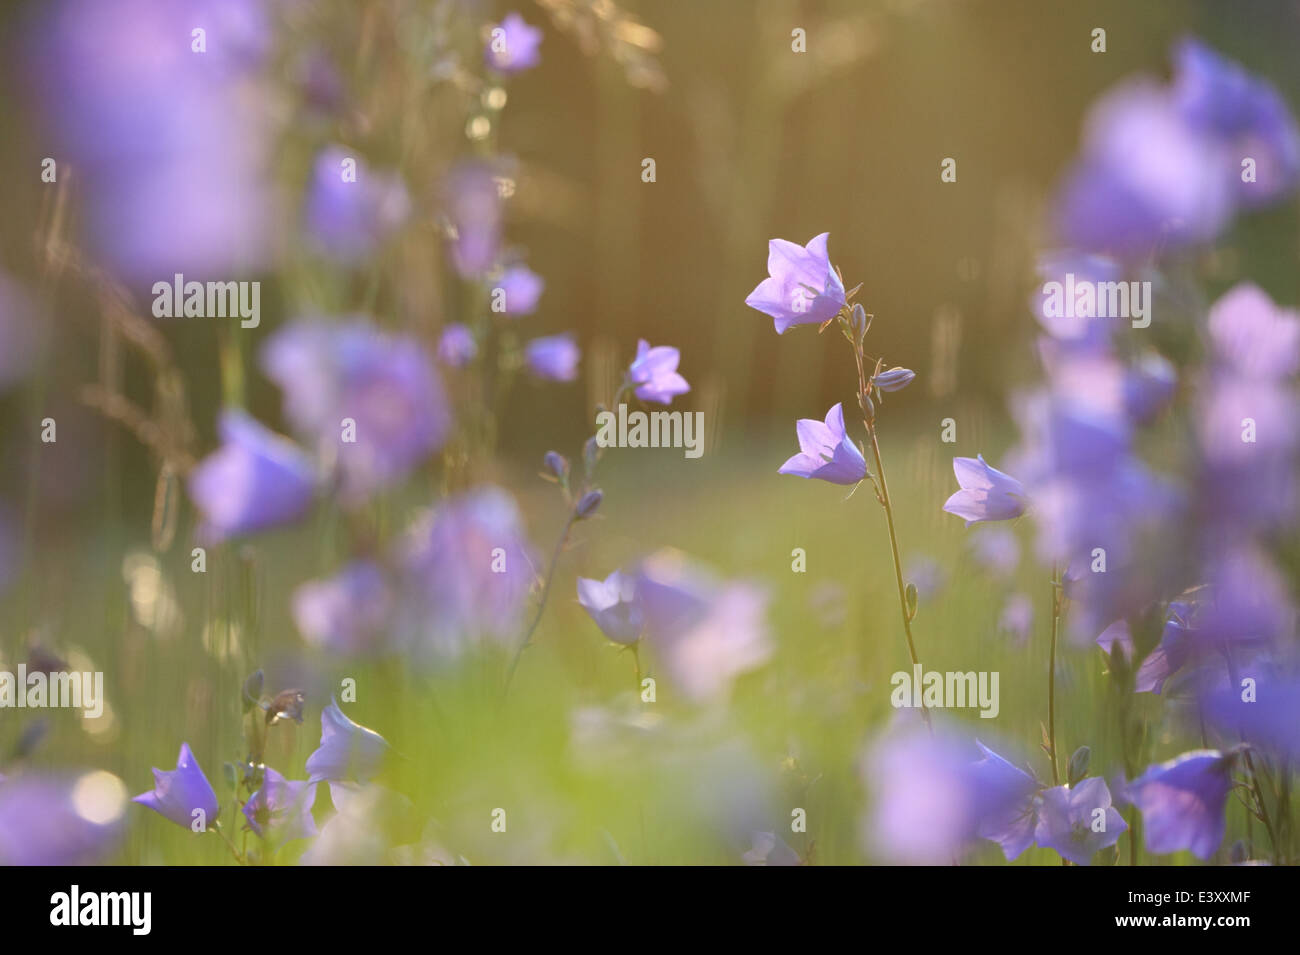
{"points": [[256, 480], [986, 493], [613, 605], [825, 451], [553, 358], [348, 751], [1182, 802], [802, 288], [184, 794], [654, 372]]}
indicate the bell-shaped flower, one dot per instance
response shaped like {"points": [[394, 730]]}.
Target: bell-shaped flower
{"points": [[1182, 802], [613, 605], [553, 358], [654, 372], [348, 751], [825, 451], [184, 794], [1078, 820], [254, 481], [986, 493], [802, 288], [281, 810]]}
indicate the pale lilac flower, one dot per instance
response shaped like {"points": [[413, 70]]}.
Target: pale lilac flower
{"points": [[520, 288], [931, 799], [1245, 113], [1071, 327], [280, 811], [1182, 802], [348, 751], [1012, 816], [613, 605], [512, 45], [467, 569], [1264, 713], [144, 118], [802, 287], [707, 633], [346, 613], [180, 794], [1249, 602], [1147, 179], [372, 402], [554, 358], [456, 346], [1078, 821], [60, 820], [256, 480], [348, 219], [654, 372], [825, 451], [986, 495]]}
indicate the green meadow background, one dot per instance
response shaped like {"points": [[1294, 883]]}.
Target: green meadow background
{"points": [[751, 141]]}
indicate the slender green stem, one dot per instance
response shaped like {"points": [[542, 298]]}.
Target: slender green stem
{"points": [[887, 503], [541, 603], [1051, 673]]}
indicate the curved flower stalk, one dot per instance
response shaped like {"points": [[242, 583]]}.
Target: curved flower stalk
{"points": [[652, 377], [804, 288]]}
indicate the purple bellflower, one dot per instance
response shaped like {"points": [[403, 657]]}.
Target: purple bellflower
{"points": [[553, 358], [802, 288], [60, 820], [654, 372], [372, 402], [1182, 802], [347, 613], [825, 451], [254, 481], [280, 810], [512, 46], [348, 219], [986, 493], [180, 795], [1078, 821], [1012, 817], [467, 569], [456, 346], [613, 605], [347, 752], [520, 288]]}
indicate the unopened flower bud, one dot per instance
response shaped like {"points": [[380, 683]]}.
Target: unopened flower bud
{"points": [[859, 322], [896, 379], [589, 504], [867, 405], [557, 465]]}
